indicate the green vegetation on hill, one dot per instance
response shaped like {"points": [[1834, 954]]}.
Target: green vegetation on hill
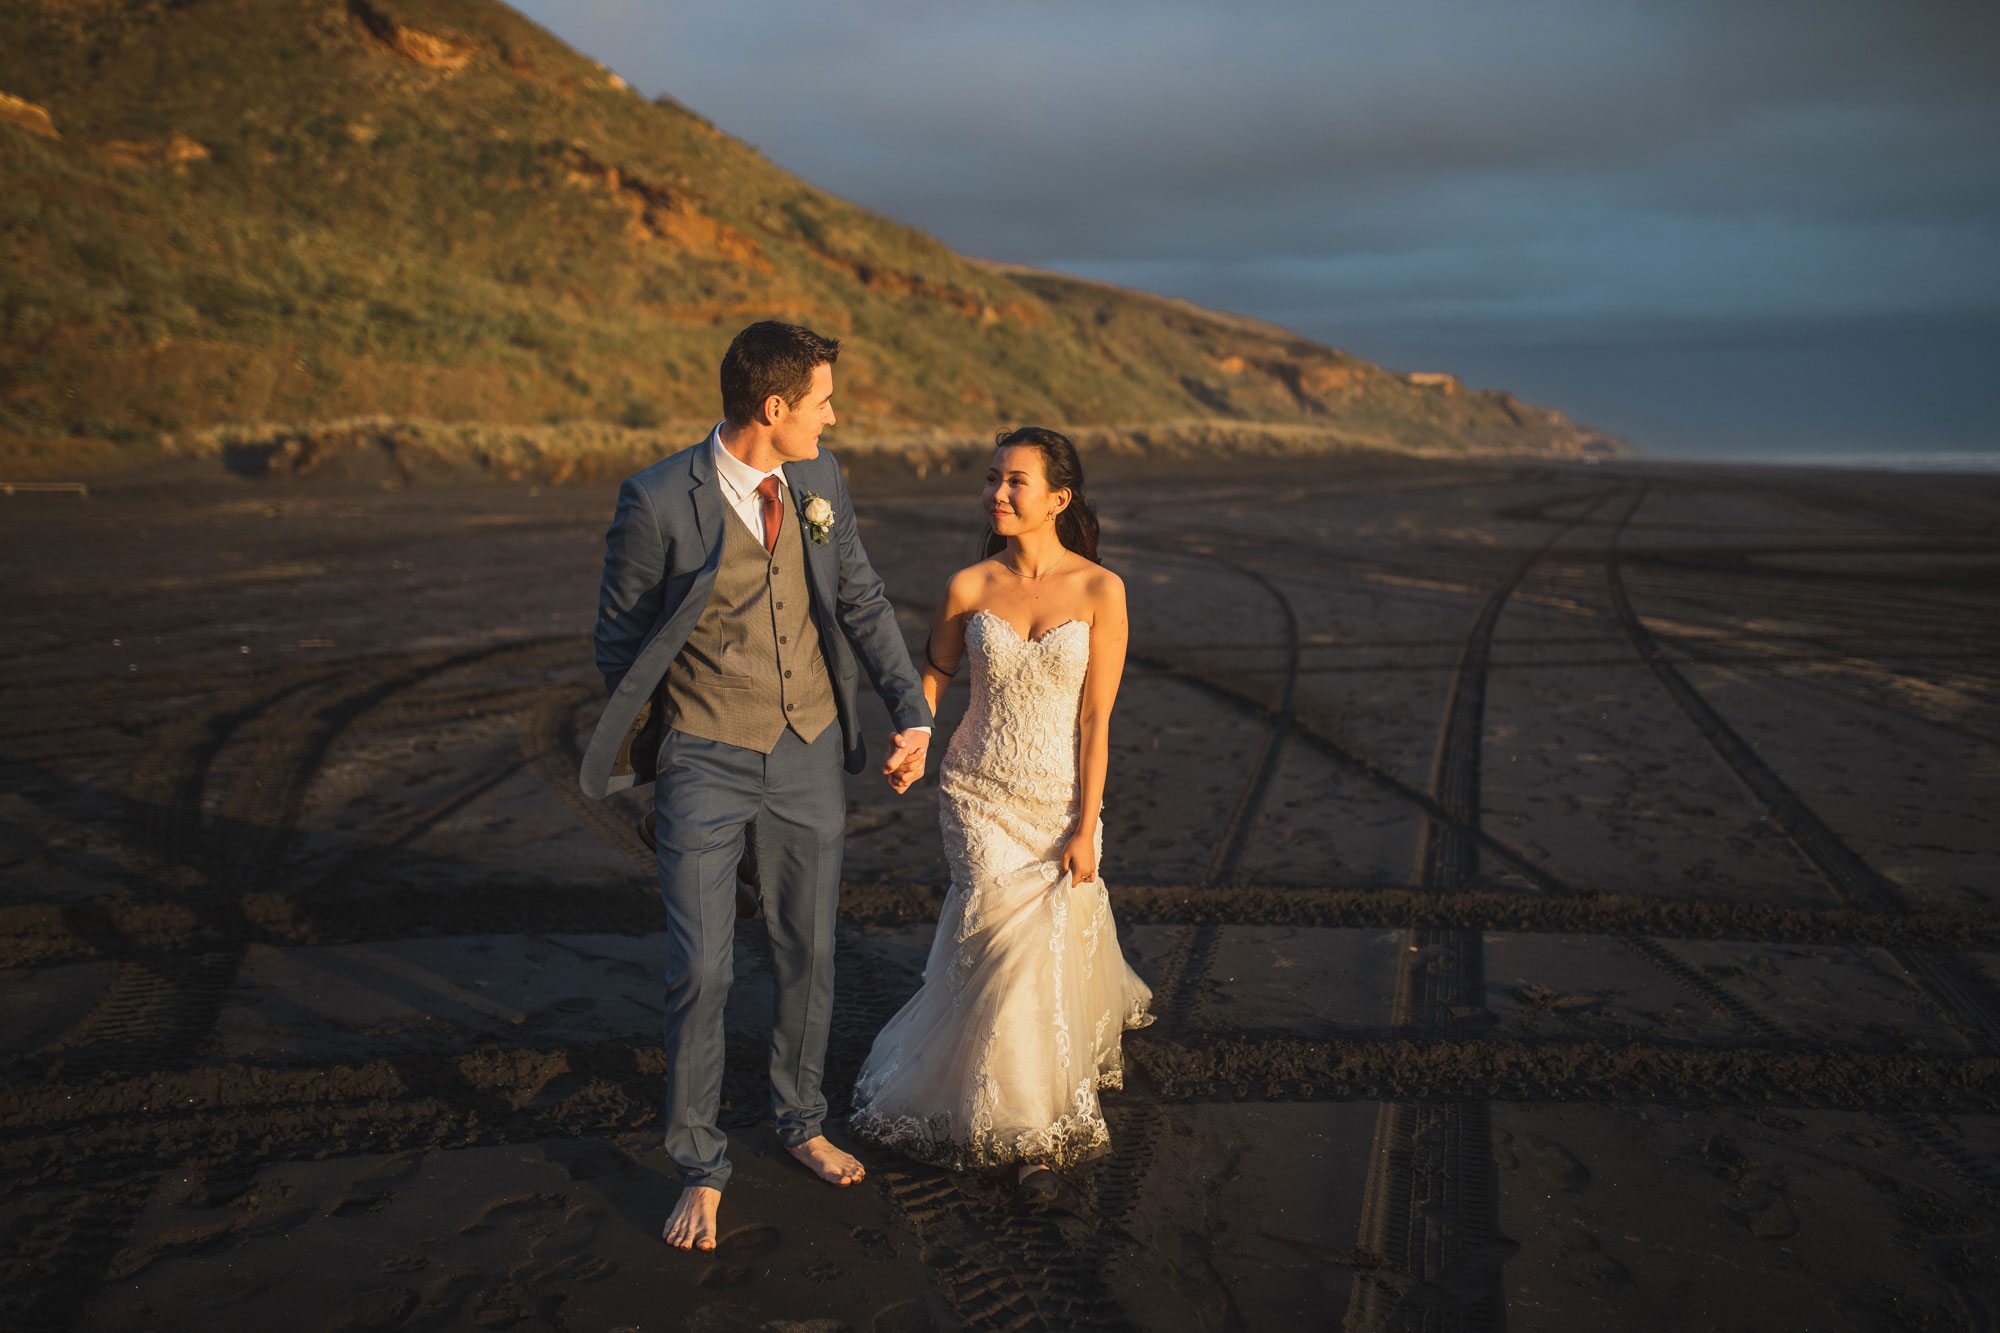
{"points": [[239, 211]]}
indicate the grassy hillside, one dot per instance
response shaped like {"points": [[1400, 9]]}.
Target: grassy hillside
{"points": [[237, 211]]}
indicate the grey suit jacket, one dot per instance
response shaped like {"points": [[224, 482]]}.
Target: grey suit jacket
{"points": [[660, 557]]}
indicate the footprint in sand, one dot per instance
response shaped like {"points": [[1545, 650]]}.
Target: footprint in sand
{"points": [[868, 1237], [397, 1168], [1754, 1191], [570, 1268], [904, 1317], [1579, 1251], [597, 1162], [519, 1207], [364, 1202], [1762, 1205], [1556, 1164], [369, 1192], [737, 1255], [382, 1307]]}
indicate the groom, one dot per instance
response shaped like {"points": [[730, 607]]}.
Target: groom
{"points": [[735, 603]]}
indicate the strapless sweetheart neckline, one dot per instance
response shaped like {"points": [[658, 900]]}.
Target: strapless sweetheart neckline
{"points": [[1029, 638]]}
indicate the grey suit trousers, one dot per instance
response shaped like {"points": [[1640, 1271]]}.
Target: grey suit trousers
{"points": [[711, 796]]}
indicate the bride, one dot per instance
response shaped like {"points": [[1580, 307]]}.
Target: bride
{"points": [[998, 1059]]}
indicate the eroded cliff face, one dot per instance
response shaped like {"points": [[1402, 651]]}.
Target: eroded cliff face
{"points": [[243, 211]]}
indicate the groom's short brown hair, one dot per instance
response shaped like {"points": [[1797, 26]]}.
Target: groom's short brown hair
{"points": [[771, 357]]}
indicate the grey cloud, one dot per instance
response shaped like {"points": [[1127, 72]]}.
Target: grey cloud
{"points": [[1170, 100], [1408, 174]]}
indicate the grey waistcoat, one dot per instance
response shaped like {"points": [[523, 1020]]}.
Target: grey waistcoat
{"points": [[752, 666]]}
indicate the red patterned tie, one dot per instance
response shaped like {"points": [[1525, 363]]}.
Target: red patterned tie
{"points": [[774, 513]]}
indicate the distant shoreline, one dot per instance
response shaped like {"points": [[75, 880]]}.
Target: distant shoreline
{"points": [[1924, 461]]}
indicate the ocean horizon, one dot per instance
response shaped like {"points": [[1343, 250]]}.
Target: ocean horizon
{"points": [[1881, 459]]}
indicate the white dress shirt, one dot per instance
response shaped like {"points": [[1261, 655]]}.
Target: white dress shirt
{"points": [[740, 482], [739, 486]]}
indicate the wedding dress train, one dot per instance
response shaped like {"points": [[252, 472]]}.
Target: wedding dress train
{"points": [[998, 1058]]}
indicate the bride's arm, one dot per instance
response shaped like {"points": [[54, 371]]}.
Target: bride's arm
{"points": [[943, 651], [1109, 632]]}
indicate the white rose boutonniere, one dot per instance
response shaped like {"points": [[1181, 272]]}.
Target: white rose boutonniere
{"points": [[819, 517]]}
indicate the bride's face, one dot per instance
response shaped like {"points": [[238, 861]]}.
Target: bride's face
{"points": [[1017, 498]]}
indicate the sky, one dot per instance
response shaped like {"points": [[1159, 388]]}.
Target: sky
{"points": [[1760, 227]]}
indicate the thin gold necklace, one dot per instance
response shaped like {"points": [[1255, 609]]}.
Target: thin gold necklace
{"points": [[1037, 578]]}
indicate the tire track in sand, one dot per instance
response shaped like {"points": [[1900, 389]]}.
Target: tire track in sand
{"points": [[1187, 961], [1431, 1205], [1952, 984], [1958, 989], [548, 737], [1137, 1122], [159, 1013], [31, 936]]}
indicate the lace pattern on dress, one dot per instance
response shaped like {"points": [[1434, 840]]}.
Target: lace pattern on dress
{"points": [[1069, 1142], [981, 1068]]}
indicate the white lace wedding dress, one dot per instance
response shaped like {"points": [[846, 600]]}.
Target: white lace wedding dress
{"points": [[999, 1057]]}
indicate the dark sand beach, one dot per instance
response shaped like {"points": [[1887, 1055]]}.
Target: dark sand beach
{"points": [[1569, 892]]}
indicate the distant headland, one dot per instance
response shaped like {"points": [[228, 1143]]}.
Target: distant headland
{"points": [[249, 223]]}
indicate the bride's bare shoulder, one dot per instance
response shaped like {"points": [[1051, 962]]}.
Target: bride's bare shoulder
{"points": [[1104, 588], [966, 589]]}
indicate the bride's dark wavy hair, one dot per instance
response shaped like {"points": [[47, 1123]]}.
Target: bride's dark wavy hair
{"points": [[1076, 525]]}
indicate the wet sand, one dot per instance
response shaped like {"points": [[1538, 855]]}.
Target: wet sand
{"points": [[1569, 893]]}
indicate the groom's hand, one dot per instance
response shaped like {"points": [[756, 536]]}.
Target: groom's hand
{"points": [[905, 764]]}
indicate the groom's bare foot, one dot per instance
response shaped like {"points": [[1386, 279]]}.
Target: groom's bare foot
{"points": [[691, 1226], [828, 1162]]}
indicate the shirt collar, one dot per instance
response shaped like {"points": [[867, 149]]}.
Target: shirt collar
{"points": [[738, 477]]}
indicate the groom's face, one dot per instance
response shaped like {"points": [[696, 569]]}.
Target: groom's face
{"points": [[795, 432]]}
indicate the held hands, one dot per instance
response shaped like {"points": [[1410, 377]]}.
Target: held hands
{"points": [[1079, 856], [905, 764]]}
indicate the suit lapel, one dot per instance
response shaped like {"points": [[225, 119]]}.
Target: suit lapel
{"points": [[705, 494], [819, 555]]}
